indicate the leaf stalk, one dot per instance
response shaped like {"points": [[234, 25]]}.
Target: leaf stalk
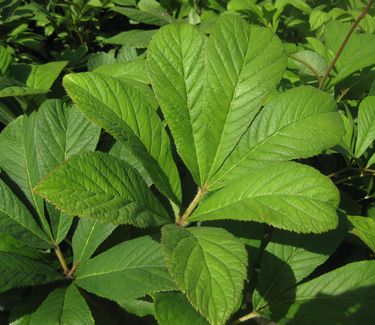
{"points": [[201, 192], [343, 44]]}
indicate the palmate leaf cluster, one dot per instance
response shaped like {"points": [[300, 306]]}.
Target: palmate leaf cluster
{"points": [[207, 104]]}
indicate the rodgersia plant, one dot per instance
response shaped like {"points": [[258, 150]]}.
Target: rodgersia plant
{"points": [[237, 135]]}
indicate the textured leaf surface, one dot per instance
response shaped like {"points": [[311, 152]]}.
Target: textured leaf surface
{"points": [[122, 111], [289, 258], [19, 160], [87, 237], [128, 71], [16, 220], [285, 195], [61, 132], [101, 186], [175, 61], [364, 228], [299, 123], [43, 76], [366, 125], [20, 271], [342, 296], [209, 265], [174, 308], [5, 60], [63, 306], [243, 64], [127, 271]]}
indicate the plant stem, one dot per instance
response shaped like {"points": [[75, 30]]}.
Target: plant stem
{"points": [[201, 192], [253, 314], [70, 273], [61, 259], [343, 44]]}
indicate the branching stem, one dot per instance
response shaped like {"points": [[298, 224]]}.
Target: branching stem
{"points": [[201, 192], [343, 44]]}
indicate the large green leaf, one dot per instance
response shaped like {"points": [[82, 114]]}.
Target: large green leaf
{"points": [[61, 132], [285, 195], [173, 308], [87, 237], [343, 296], [101, 186], [43, 76], [299, 123], [366, 125], [289, 258], [63, 306], [129, 270], [19, 160], [20, 271], [175, 61], [358, 53], [121, 110], [364, 228], [17, 221], [243, 64], [209, 265]]}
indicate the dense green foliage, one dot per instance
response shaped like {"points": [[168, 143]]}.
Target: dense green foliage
{"points": [[187, 162]]}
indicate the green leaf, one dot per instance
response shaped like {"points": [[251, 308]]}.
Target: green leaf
{"points": [[310, 63], [17, 221], [129, 270], [61, 132], [182, 313], [176, 64], [318, 18], [137, 307], [342, 296], [366, 125], [21, 271], [5, 60], [285, 195], [103, 187], [290, 258], [14, 91], [371, 161], [364, 228], [99, 59], [121, 110], [60, 223], [63, 306], [132, 38], [8, 244], [87, 237], [127, 71], [299, 123], [363, 45], [209, 258], [43, 76], [151, 13], [6, 114], [19, 160], [243, 64]]}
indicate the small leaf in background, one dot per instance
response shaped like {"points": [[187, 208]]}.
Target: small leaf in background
{"points": [[366, 125], [137, 307], [88, 235], [5, 60], [364, 228], [209, 258], [63, 306], [129, 270], [182, 312], [342, 296], [103, 187], [289, 258], [310, 63], [285, 195], [132, 38], [43, 76]]}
